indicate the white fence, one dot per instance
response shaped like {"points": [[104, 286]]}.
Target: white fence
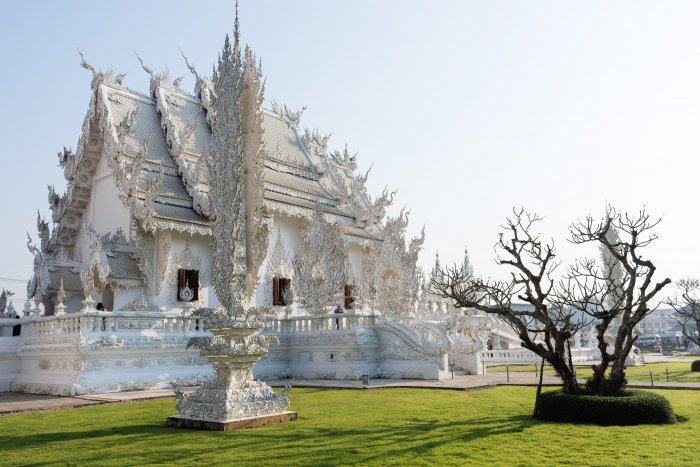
{"points": [[322, 322], [522, 355]]}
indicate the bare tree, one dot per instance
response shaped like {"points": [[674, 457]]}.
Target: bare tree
{"points": [[558, 309], [621, 296], [544, 326], [687, 307]]}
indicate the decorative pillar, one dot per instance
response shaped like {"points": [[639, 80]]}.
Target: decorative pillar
{"points": [[60, 296], [37, 302], [233, 399]]}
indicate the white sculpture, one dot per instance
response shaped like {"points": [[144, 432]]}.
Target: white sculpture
{"points": [[236, 344], [319, 267], [60, 296]]}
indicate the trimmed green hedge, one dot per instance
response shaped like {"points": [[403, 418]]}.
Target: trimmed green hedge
{"points": [[630, 407], [695, 366]]}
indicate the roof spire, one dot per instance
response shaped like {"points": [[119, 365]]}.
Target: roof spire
{"points": [[236, 31]]}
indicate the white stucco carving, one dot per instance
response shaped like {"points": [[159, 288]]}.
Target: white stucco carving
{"points": [[236, 344], [152, 165], [319, 266]]}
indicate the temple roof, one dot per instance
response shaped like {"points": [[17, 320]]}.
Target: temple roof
{"points": [[171, 128], [70, 276], [156, 144]]}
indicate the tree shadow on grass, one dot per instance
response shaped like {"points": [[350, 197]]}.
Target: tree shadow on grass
{"points": [[355, 445], [306, 441]]}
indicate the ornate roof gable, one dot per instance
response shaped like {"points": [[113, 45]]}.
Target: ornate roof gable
{"points": [[156, 146]]}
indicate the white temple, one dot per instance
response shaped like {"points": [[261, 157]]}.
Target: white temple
{"points": [[132, 232]]}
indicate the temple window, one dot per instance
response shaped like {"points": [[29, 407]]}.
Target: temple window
{"points": [[279, 286], [188, 278], [349, 299]]}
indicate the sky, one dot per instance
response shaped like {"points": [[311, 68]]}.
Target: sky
{"points": [[467, 108]]}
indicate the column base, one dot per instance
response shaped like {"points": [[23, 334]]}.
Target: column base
{"points": [[183, 421]]}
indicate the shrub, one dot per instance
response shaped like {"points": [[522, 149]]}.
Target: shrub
{"points": [[628, 407], [695, 366]]}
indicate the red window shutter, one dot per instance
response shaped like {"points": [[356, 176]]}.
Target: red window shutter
{"points": [[348, 297], [276, 294]]}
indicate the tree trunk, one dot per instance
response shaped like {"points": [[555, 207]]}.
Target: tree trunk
{"points": [[595, 382], [617, 380], [570, 385], [536, 412]]}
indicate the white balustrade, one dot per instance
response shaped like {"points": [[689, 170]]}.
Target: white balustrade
{"points": [[54, 325], [96, 322], [315, 323], [522, 355], [517, 355], [107, 322]]}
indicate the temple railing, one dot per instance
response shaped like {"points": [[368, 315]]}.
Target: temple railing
{"points": [[522, 355], [90, 322], [315, 323], [517, 355]]}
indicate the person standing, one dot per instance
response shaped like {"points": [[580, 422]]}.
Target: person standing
{"points": [[337, 320]]}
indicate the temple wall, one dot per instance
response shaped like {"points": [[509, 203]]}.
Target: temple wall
{"points": [[355, 255], [198, 256], [289, 228], [104, 211], [124, 296], [9, 360], [73, 302], [319, 347], [97, 352]]}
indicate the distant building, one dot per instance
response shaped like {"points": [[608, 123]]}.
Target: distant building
{"points": [[660, 321]]}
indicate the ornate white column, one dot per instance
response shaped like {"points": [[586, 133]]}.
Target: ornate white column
{"points": [[233, 399]]}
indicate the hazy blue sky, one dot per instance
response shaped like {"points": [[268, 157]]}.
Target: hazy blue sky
{"points": [[467, 108]]}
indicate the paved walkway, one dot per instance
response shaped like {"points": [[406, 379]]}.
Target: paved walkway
{"points": [[11, 402]]}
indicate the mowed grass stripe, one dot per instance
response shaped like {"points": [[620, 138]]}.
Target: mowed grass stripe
{"points": [[344, 427]]}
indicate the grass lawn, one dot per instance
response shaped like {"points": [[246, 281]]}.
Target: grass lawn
{"points": [[677, 371], [351, 427]]}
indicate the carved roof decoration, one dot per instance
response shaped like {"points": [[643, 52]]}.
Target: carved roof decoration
{"points": [[158, 147]]}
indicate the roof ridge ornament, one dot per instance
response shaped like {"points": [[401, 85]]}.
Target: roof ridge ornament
{"points": [[145, 67], [86, 65], [191, 67], [291, 117], [155, 78]]}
